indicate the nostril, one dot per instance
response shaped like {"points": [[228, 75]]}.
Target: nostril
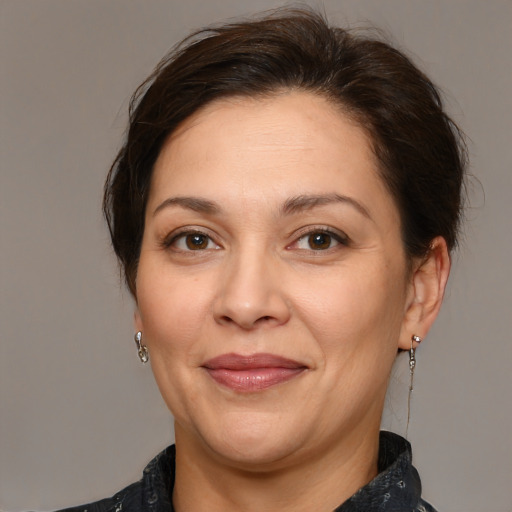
{"points": [[226, 319], [267, 319]]}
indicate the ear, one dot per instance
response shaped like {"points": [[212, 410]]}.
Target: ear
{"points": [[427, 286]]}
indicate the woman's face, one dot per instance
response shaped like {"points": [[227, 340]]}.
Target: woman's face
{"points": [[272, 285]]}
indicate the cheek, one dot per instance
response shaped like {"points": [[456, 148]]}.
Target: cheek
{"points": [[358, 309], [173, 308]]}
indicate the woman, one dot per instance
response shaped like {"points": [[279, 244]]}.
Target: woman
{"points": [[283, 209]]}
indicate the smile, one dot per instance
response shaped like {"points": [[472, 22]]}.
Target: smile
{"points": [[252, 373]]}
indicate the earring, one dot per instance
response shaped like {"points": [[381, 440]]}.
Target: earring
{"points": [[141, 348], [412, 352], [412, 366]]}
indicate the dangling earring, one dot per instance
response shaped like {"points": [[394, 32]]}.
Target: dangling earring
{"points": [[141, 348], [412, 366]]}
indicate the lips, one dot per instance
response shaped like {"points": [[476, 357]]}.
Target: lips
{"points": [[252, 373]]}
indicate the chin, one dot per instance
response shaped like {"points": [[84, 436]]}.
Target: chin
{"points": [[253, 441]]}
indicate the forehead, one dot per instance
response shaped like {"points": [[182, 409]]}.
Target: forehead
{"points": [[288, 144]]}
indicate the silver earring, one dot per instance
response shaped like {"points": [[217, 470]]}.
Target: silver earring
{"points": [[141, 348], [412, 366]]}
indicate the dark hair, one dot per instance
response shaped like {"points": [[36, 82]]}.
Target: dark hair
{"points": [[419, 149]]}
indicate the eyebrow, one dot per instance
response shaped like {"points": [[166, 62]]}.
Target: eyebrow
{"points": [[308, 202], [291, 206], [196, 204]]}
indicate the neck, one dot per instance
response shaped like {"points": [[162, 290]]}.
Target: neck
{"points": [[205, 482]]}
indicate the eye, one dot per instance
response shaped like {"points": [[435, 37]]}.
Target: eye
{"points": [[192, 241], [320, 240]]}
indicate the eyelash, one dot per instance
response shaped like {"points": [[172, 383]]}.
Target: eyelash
{"points": [[338, 237], [171, 240]]}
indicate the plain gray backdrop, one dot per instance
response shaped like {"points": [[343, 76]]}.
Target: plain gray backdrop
{"points": [[80, 417]]}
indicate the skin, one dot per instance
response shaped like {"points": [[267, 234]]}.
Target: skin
{"points": [[256, 284]]}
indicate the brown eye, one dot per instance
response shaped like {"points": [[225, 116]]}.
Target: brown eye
{"points": [[196, 241], [191, 241], [319, 241]]}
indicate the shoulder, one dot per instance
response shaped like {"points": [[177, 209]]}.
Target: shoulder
{"points": [[153, 492], [126, 500]]}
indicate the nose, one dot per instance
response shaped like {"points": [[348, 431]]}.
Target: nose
{"points": [[251, 293]]}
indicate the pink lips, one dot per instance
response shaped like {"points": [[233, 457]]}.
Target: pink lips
{"points": [[252, 373]]}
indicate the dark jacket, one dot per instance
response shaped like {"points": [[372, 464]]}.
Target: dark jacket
{"points": [[397, 487]]}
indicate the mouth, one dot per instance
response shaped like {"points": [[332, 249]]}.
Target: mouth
{"points": [[252, 373]]}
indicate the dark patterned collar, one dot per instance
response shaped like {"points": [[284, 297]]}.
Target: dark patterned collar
{"points": [[397, 487]]}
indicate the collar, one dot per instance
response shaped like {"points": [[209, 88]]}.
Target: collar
{"points": [[397, 487]]}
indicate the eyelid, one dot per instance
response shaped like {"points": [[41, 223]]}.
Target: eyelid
{"points": [[338, 235], [172, 237]]}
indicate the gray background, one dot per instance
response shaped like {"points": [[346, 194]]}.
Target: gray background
{"points": [[80, 416]]}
